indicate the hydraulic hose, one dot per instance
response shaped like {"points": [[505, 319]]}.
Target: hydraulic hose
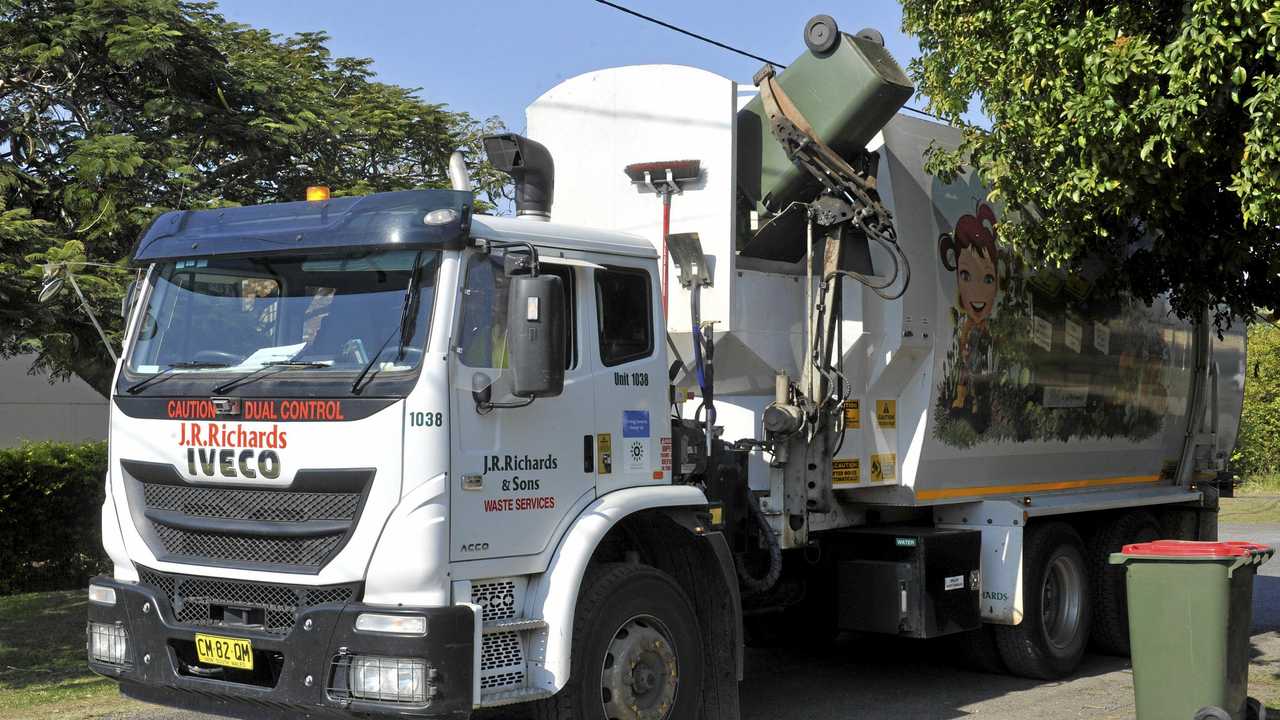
{"points": [[752, 584]]}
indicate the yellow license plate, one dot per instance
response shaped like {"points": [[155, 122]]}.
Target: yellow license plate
{"points": [[230, 652]]}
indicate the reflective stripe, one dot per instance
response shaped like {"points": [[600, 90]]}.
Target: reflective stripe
{"points": [[1034, 487]]}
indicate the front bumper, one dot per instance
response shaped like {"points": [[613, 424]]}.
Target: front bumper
{"points": [[294, 673]]}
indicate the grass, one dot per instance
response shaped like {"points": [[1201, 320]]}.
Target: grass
{"points": [[43, 673], [1264, 684], [1257, 501]]}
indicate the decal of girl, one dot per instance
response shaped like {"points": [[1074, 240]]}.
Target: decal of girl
{"points": [[971, 252]]}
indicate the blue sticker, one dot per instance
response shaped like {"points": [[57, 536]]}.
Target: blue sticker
{"points": [[635, 423]]}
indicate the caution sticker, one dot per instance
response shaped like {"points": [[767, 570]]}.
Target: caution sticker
{"points": [[884, 467], [666, 454], [604, 446], [852, 415], [845, 472], [887, 413]]}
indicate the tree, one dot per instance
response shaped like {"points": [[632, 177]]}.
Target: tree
{"points": [[114, 111], [1138, 131], [1257, 451]]}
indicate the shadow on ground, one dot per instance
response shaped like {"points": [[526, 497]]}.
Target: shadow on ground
{"points": [[41, 638]]}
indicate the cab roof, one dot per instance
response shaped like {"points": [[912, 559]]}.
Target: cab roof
{"points": [[564, 237], [390, 220]]}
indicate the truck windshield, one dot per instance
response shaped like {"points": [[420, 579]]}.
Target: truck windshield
{"points": [[309, 314]]}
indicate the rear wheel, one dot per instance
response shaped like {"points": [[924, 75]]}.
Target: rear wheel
{"points": [[1110, 633], [1050, 641], [637, 652]]}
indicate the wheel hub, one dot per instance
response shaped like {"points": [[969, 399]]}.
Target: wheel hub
{"points": [[640, 673], [1061, 599]]}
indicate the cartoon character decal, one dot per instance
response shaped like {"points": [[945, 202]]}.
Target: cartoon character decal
{"points": [[970, 251], [1035, 354]]}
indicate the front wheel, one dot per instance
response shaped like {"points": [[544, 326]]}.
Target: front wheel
{"points": [[637, 653], [1057, 610]]}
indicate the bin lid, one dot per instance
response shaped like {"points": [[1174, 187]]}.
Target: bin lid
{"points": [[1194, 549]]}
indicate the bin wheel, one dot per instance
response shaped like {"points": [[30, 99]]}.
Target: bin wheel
{"points": [[1255, 710], [637, 652], [1057, 606], [821, 34], [1212, 713], [1110, 633]]}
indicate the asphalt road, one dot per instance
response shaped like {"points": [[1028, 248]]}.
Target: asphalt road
{"points": [[866, 677]]}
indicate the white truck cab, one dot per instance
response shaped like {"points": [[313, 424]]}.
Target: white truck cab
{"points": [[329, 411]]}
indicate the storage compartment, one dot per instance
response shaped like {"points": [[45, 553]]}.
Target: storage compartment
{"points": [[910, 581]]}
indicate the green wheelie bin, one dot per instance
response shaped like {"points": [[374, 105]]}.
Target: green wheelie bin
{"points": [[1190, 609]]}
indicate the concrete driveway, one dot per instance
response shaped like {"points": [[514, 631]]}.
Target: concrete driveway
{"points": [[869, 677]]}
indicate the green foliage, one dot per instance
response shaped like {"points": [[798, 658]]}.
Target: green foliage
{"points": [[50, 502], [1140, 132], [113, 111], [1258, 444]]}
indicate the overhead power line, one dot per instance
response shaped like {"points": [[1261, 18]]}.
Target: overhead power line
{"points": [[730, 48], [691, 34]]}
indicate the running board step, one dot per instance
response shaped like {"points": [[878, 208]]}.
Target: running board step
{"points": [[511, 697], [513, 625]]}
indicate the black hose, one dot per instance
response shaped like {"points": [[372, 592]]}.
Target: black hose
{"points": [[751, 583]]}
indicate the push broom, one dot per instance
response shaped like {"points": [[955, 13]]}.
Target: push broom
{"points": [[664, 178]]}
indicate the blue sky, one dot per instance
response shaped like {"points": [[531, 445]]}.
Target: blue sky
{"points": [[494, 58]]}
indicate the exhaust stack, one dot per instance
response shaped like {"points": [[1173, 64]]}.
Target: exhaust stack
{"points": [[529, 163], [459, 176]]}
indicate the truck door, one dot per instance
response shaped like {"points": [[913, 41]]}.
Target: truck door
{"points": [[631, 403], [516, 471]]}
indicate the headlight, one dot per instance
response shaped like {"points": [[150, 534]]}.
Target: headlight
{"points": [[102, 595], [108, 643], [389, 679], [392, 624]]}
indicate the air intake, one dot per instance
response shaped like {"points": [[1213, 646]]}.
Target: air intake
{"points": [[528, 163]]}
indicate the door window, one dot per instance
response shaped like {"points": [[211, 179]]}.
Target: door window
{"points": [[624, 305], [483, 338]]}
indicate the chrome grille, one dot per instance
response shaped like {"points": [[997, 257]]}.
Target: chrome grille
{"points": [[240, 504], [298, 529], [305, 552], [194, 599]]}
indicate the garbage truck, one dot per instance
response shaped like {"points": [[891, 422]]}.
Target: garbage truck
{"points": [[738, 371]]}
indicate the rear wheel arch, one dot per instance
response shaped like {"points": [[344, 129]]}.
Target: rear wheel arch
{"points": [[1057, 604]]}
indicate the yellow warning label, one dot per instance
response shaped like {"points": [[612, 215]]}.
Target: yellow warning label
{"points": [[845, 472], [887, 413], [884, 467], [852, 415], [604, 444]]}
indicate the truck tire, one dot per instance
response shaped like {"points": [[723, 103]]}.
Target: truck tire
{"points": [[637, 650], [1056, 607], [1110, 633], [976, 650]]}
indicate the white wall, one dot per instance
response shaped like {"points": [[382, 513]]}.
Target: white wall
{"points": [[32, 409]]}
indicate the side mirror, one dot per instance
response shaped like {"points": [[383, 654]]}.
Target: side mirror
{"points": [[535, 335], [52, 286]]}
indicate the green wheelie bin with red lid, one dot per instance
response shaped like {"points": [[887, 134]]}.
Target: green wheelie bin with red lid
{"points": [[1190, 609]]}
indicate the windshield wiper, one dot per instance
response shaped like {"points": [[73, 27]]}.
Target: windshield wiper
{"points": [[408, 314], [259, 372], [184, 365]]}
